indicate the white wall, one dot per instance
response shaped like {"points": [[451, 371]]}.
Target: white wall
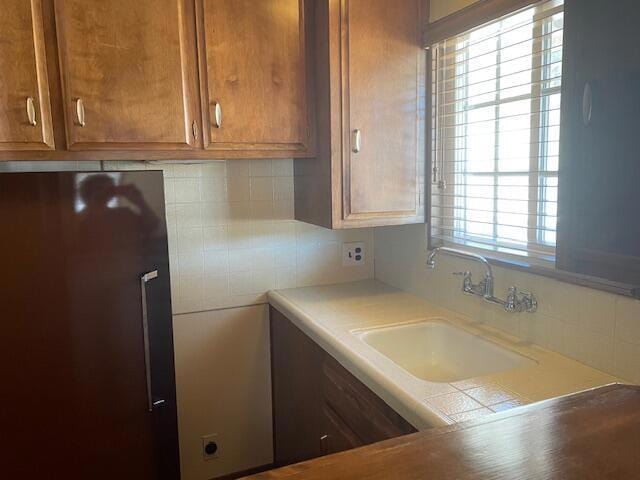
{"points": [[596, 328], [224, 387]]}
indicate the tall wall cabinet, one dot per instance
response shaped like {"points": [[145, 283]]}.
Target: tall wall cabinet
{"points": [[371, 116]]}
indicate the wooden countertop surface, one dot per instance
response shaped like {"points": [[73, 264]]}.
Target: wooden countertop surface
{"points": [[589, 435]]}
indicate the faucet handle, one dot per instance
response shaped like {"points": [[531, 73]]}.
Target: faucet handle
{"points": [[529, 301], [512, 304], [467, 284], [520, 301]]}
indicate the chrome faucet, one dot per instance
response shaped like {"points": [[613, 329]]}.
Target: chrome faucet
{"points": [[523, 302], [485, 287]]}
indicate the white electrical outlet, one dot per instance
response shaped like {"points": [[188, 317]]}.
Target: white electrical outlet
{"points": [[211, 446], [352, 254]]}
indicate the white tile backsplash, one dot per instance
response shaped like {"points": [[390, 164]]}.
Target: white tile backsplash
{"points": [[627, 320], [233, 237], [597, 328]]}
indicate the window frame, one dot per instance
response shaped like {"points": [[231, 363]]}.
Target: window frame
{"points": [[463, 20], [544, 255]]}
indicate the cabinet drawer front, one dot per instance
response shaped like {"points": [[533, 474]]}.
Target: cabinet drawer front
{"points": [[129, 73], [370, 418]]}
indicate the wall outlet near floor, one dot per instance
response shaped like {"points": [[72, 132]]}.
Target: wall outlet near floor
{"points": [[211, 446], [352, 254]]}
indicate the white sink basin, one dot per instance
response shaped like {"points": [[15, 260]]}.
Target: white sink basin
{"points": [[437, 351]]}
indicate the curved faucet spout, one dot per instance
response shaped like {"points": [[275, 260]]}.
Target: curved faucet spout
{"points": [[460, 254], [454, 252], [431, 259]]}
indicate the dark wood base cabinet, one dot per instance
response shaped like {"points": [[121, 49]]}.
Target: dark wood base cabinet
{"points": [[319, 407]]}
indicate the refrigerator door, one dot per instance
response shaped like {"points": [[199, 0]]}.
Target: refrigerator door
{"points": [[78, 369]]}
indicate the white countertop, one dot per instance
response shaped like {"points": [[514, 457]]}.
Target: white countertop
{"points": [[328, 314]]}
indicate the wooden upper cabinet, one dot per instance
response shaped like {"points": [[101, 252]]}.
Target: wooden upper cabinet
{"points": [[381, 69], [157, 79], [25, 109], [129, 74], [370, 74], [254, 77]]}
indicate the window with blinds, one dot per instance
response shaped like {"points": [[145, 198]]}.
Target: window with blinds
{"points": [[495, 134]]}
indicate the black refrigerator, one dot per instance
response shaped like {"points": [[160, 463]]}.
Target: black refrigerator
{"points": [[87, 385]]}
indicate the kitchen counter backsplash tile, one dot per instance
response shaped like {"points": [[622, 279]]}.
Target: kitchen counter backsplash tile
{"points": [[599, 329], [233, 237]]}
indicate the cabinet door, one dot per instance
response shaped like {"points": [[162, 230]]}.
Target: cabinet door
{"points": [[599, 232], [25, 111], [129, 74], [363, 413], [254, 76], [382, 67], [296, 372]]}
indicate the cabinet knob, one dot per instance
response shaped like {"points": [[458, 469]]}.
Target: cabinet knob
{"points": [[80, 112], [31, 112], [217, 115], [356, 144]]}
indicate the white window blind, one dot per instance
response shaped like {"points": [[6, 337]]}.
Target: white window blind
{"points": [[495, 134]]}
